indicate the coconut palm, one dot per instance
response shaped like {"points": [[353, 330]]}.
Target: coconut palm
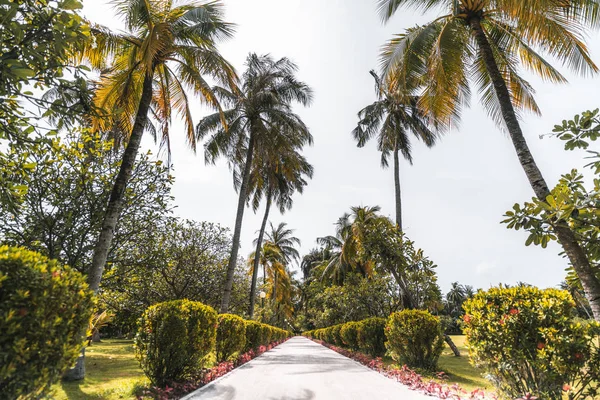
{"points": [[276, 176], [146, 73], [391, 118], [344, 247], [260, 109], [455, 297], [485, 42]]}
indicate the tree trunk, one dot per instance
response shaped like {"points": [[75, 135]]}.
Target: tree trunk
{"points": [[397, 189], [257, 255], [577, 256], [452, 346], [113, 210], [238, 226], [115, 203]]}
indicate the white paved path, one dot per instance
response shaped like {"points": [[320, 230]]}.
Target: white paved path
{"points": [[300, 369]]}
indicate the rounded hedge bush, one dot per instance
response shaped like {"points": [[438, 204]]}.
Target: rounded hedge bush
{"points": [[526, 340], [349, 334], [371, 336], [415, 338], [231, 336], [44, 309], [174, 339]]}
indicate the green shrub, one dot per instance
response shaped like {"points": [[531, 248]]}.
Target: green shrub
{"points": [[337, 335], [174, 339], [415, 338], [253, 335], [371, 336], [231, 336], [525, 339], [44, 310], [349, 334]]}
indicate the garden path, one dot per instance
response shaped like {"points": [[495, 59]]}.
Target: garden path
{"points": [[300, 369]]}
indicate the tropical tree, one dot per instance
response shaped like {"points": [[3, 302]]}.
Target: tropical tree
{"points": [[391, 118], [146, 73], [487, 40], [260, 110], [345, 247], [278, 173], [455, 297]]}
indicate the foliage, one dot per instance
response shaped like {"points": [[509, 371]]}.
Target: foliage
{"points": [[174, 339], [175, 260], [38, 39], [98, 321], [349, 334], [371, 336], [525, 339], [415, 338], [231, 336], [44, 308], [570, 201], [62, 210]]}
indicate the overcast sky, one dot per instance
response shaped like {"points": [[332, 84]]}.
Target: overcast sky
{"points": [[454, 195]]}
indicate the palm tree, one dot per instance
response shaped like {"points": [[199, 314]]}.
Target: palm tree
{"points": [[260, 108], [391, 118], [344, 247], [145, 73], [455, 297], [276, 176], [486, 40]]}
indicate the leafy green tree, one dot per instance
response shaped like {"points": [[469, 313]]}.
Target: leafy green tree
{"points": [[259, 110], [391, 118], [487, 40], [177, 259], [38, 39], [62, 211], [146, 71], [455, 298], [570, 202]]}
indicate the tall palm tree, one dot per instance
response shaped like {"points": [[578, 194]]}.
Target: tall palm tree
{"points": [[487, 40], [259, 109], [276, 176], [146, 72], [391, 118], [455, 297]]}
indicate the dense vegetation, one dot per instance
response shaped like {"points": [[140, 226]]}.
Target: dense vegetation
{"points": [[89, 238]]}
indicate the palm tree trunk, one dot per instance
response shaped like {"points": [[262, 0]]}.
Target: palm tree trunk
{"points": [[113, 210], [566, 237], [397, 188], [238, 226], [115, 203], [257, 255]]}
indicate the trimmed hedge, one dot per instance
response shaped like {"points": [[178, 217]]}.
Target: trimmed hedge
{"points": [[174, 339], [371, 336], [231, 336], [44, 309], [259, 334], [349, 334], [415, 338], [526, 340]]}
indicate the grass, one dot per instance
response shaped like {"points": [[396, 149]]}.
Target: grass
{"points": [[458, 368], [112, 373]]}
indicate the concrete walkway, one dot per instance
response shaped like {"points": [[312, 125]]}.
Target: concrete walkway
{"points": [[300, 369]]}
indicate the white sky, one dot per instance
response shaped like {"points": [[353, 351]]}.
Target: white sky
{"points": [[454, 195]]}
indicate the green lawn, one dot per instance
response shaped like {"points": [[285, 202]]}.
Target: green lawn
{"points": [[458, 368], [112, 372]]}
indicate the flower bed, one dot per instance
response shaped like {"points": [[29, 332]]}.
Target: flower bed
{"points": [[412, 379], [178, 390]]}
